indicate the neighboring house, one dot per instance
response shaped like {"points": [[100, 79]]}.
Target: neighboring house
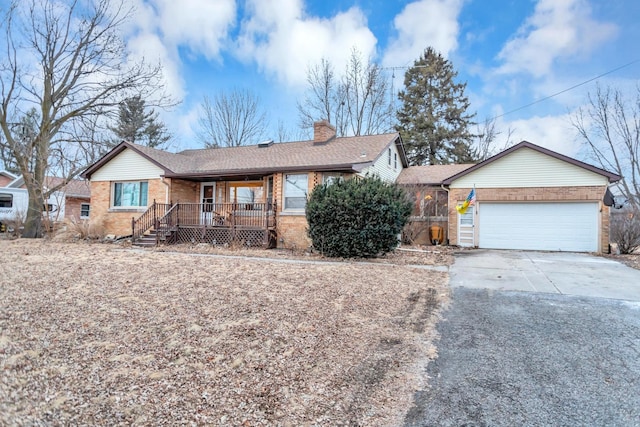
{"points": [[252, 194], [71, 200], [527, 197], [77, 197], [6, 177]]}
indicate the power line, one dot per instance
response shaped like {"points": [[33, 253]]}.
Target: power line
{"points": [[567, 90]]}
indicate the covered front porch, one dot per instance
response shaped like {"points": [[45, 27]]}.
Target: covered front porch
{"points": [[245, 223]]}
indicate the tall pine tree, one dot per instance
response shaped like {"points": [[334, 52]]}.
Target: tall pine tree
{"points": [[139, 126], [433, 119]]}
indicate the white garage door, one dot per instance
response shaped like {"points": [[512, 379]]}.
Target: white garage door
{"points": [[539, 226]]}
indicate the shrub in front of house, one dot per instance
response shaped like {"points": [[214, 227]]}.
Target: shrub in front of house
{"points": [[625, 229], [356, 218]]}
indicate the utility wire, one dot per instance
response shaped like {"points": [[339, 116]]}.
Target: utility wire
{"points": [[566, 90], [537, 101]]}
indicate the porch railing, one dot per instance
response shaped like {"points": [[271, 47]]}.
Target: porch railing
{"points": [[229, 215], [168, 217], [149, 219]]}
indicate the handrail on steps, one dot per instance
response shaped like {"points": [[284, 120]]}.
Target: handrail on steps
{"points": [[148, 219]]}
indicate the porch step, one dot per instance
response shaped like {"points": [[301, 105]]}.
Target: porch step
{"points": [[151, 238]]}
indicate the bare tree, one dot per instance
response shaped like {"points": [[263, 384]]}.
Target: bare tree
{"points": [[359, 103], [609, 127], [625, 229], [231, 119], [66, 60], [487, 142], [322, 98]]}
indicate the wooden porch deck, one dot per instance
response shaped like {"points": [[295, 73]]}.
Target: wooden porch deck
{"points": [[248, 224]]}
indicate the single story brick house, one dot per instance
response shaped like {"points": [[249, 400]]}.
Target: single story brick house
{"points": [[252, 194], [526, 197]]}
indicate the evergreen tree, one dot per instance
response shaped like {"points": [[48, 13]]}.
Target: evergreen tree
{"points": [[433, 119], [139, 126]]}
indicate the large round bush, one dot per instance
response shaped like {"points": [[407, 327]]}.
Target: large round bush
{"points": [[356, 217]]}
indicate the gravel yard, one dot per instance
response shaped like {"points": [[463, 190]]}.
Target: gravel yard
{"points": [[97, 334]]}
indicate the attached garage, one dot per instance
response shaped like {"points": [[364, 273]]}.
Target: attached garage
{"points": [[531, 198], [558, 226]]}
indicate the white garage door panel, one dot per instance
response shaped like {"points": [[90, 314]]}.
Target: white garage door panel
{"points": [[539, 226]]}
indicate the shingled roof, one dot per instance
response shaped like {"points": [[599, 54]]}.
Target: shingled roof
{"points": [[431, 174], [347, 153], [74, 188]]}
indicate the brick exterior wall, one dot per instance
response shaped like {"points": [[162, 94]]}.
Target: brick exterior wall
{"points": [[184, 191], [291, 229], [323, 131], [72, 206], [4, 180], [535, 194], [292, 232], [118, 222]]}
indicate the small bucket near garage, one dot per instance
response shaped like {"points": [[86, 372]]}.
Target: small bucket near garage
{"points": [[436, 235]]}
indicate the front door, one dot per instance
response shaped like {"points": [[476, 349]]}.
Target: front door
{"points": [[208, 200], [466, 229]]}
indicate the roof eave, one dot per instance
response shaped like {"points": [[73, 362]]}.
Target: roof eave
{"points": [[113, 153], [229, 173], [612, 177], [403, 153]]}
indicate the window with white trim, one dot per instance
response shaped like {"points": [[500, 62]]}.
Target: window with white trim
{"points": [[395, 161], [84, 210], [295, 191], [331, 177], [130, 194], [6, 200], [389, 156]]}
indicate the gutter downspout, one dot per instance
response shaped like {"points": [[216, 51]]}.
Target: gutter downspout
{"points": [[166, 190], [448, 225]]}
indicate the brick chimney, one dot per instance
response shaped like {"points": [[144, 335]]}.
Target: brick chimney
{"points": [[323, 131]]}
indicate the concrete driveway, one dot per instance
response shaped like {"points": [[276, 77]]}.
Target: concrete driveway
{"points": [[535, 339], [549, 272]]}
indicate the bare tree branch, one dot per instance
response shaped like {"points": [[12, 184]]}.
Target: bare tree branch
{"points": [[231, 119], [68, 62], [609, 127], [357, 104]]}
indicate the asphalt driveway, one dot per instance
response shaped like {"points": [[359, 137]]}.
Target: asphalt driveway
{"points": [[529, 339]]}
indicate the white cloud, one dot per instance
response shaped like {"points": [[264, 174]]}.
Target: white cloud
{"points": [[283, 41], [159, 28], [422, 24], [149, 46], [557, 29], [553, 132], [200, 25]]}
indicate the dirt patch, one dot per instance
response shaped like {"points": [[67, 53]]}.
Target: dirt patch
{"points": [[100, 334], [406, 255], [632, 260]]}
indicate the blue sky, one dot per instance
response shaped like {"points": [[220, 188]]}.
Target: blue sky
{"points": [[510, 53]]}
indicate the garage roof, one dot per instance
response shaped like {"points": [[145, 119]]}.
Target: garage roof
{"points": [[430, 174], [612, 177]]}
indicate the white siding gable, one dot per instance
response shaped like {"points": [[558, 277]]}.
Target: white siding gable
{"points": [[382, 168], [529, 168], [127, 166]]}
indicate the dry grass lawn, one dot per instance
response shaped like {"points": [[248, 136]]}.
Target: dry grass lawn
{"points": [[97, 334]]}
